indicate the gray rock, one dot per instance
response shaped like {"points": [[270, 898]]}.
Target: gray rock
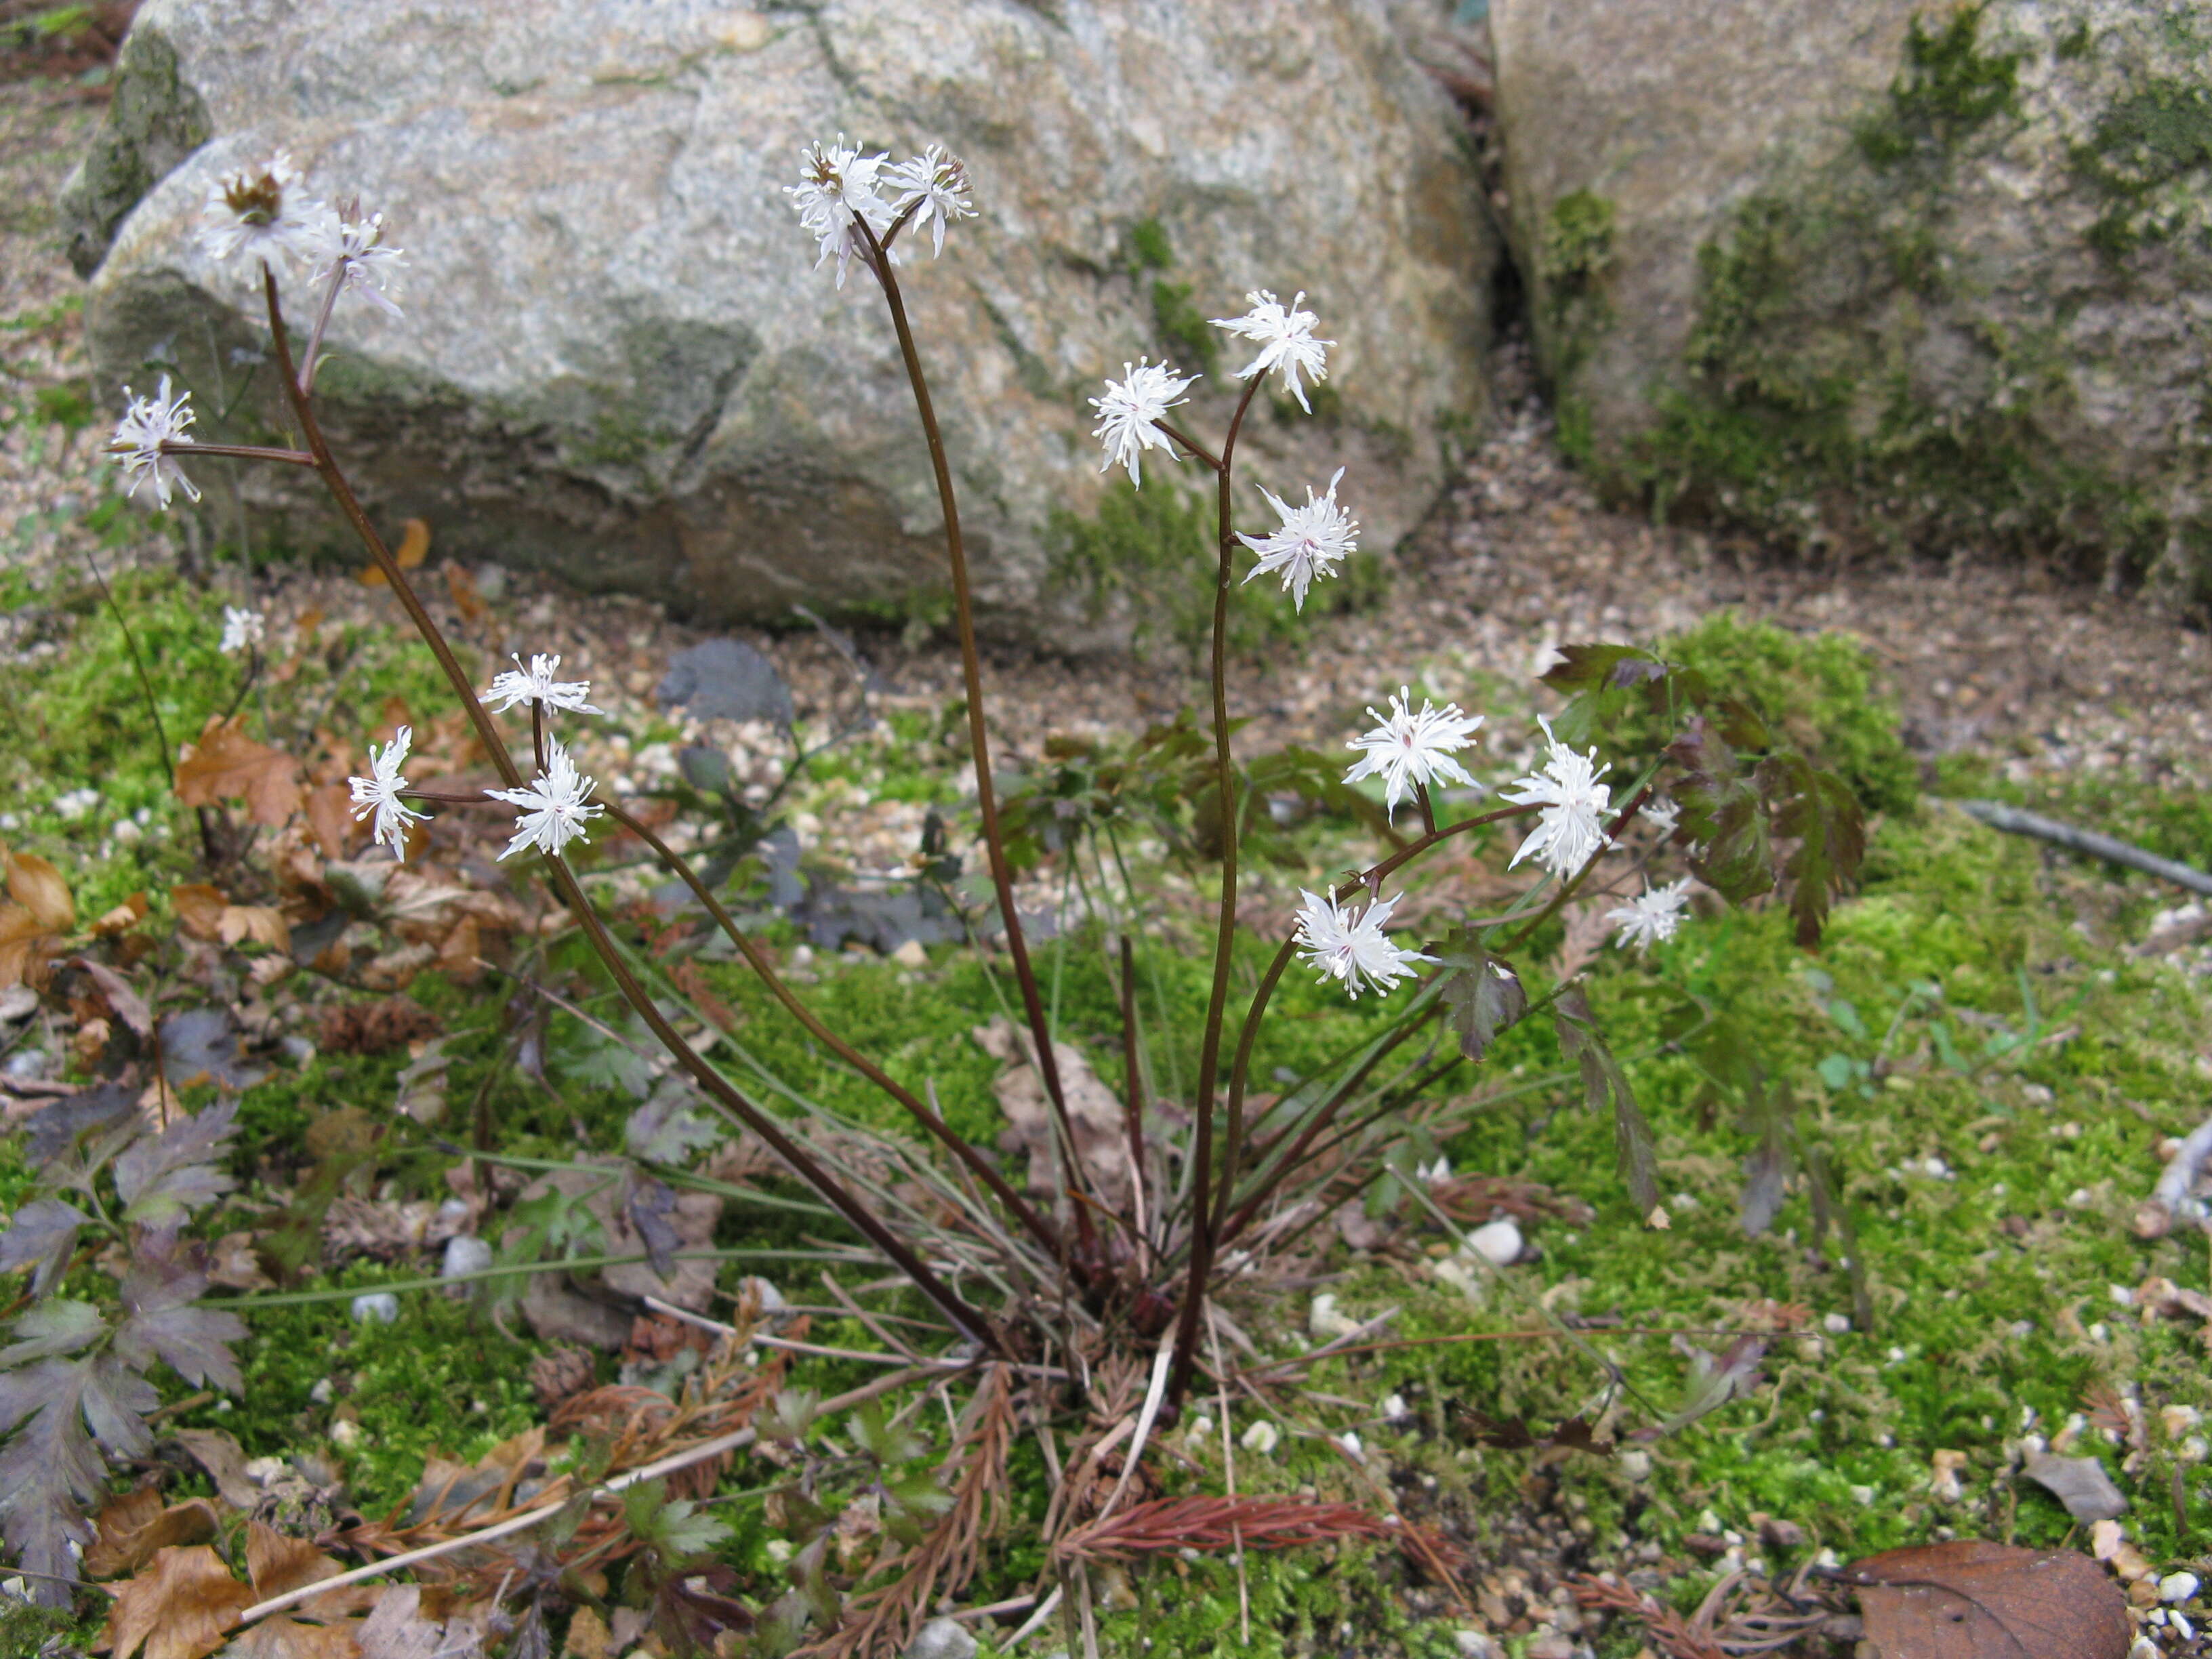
{"points": [[616, 362], [1877, 272], [941, 1638]]}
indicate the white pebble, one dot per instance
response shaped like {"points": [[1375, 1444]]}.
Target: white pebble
{"points": [[1260, 1437], [465, 1254], [377, 1306], [322, 1392], [1836, 1324], [2178, 1587], [345, 1434], [1498, 1242]]}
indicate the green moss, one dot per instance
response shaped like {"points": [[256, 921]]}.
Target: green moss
{"points": [[1818, 691], [1949, 89], [2160, 134], [1577, 241]]}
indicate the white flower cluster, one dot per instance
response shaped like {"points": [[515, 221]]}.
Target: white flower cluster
{"points": [[840, 190], [1312, 540], [242, 630], [1352, 947], [1571, 829], [147, 437], [1408, 751], [263, 213], [555, 805]]}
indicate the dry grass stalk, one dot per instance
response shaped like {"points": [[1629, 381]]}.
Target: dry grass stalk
{"points": [[1211, 1524], [885, 1618]]}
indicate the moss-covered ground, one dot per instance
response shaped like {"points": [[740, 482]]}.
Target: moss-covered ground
{"points": [[1985, 1063]]}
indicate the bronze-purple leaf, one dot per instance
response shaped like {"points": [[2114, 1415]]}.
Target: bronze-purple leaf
{"points": [[1972, 1599]]}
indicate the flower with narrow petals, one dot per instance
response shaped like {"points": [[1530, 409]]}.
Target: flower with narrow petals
{"points": [[1311, 542], [935, 185], [1571, 829], [839, 188], [350, 249], [1129, 414], [536, 684], [1407, 749], [554, 806], [1646, 920], [379, 794], [1352, 948], [242, 630], [260, 212], [1286, 342], [1663, 814], [152, 428]]}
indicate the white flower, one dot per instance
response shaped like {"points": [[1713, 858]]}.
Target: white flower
{"points": [[837, 190], [258, 211], [1352, 948], [553, 805], [379, 794], [241, 628], [935, 185], [1571, 829], [536, 684], [1129, 414], [1644, 921], [1286, 342], [147, 424], [353, 249], [1408, 748], [1310, 541], [1663, 814]]}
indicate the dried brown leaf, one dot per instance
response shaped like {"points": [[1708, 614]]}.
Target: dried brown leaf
{"points": [[179, 1607], [25, 948], [1977, 1600], [224, 1460], [133, 1527], [330, 816], [414, 547], [200, 909], [125, 1003], [37, 886], [288, 1638], [226, 765], [1096, 1115], [123, 918], [261, 923]]}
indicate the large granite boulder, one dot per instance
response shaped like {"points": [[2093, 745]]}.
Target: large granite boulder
{"points": [[1878, 272], [617, 361]]}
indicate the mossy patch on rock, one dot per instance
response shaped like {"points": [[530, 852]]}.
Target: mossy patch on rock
{"points": [[1951, 308], [1864, 369]]}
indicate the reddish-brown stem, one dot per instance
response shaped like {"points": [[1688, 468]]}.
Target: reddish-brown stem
{"points": [[971, 670], [1320, 1121], [1225, 940], [1239, 1067], [231, 452], [717, 1086], [1135, 1087], [1043, 1230], [1191, 444]]}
